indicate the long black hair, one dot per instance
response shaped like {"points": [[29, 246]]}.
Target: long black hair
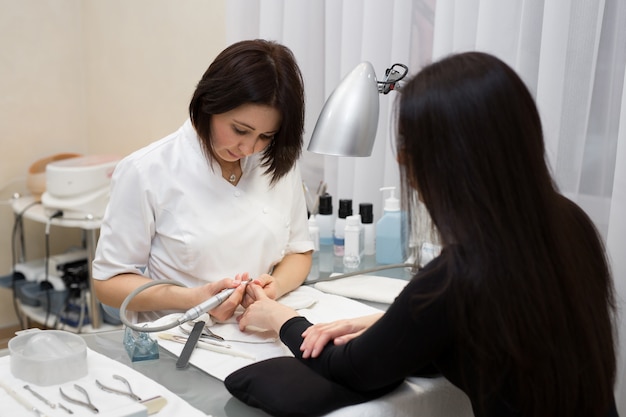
{"points": [[532, 295], [258, 72]]}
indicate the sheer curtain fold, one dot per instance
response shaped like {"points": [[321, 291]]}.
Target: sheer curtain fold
{"points": [[330, 38], [616, 242], [569, 52], [584, 33]]}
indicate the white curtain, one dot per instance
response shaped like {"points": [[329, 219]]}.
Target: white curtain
{"points": [[329, 39], [571, 54]]}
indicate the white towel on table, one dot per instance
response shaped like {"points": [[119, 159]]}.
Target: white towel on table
{"points": [[313, 304], [416, 396], [101, 368], [365, 287]]}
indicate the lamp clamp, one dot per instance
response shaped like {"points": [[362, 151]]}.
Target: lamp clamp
{"points": [[392, 77]]}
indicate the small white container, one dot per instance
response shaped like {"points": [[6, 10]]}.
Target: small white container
{"points": [[48, 357], [353, 247]]}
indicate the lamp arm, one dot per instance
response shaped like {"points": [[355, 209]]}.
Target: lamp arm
{"points": [[412, 266]]}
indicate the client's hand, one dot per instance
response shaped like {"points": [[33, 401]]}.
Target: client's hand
{"points": [[268, 283], [263, 312], [225, 310], [340, 331]]}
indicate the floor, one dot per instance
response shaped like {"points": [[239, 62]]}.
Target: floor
{"points": [[6, 333]]}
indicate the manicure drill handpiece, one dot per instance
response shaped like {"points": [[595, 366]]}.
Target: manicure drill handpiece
{"points": [[203, 307]]}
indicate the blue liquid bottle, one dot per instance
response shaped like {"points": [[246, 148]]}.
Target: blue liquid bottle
{"points": [[390, 247], [345, 210]]}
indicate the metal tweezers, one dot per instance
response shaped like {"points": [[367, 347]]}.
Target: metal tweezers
{"points": [[128, 393], [87, 403]]}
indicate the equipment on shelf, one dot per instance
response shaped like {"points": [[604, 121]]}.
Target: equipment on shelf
{"points": [[61, 267], [60, 290], [79, 187]]}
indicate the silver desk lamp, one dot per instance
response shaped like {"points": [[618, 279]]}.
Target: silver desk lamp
{"points": [[347, 124]]}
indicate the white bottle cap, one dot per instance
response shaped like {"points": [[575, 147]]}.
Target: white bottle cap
{"points": [[391, 203], [354, 220]]}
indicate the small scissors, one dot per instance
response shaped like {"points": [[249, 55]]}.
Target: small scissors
{"points": [[87, 403], [128, 393]]}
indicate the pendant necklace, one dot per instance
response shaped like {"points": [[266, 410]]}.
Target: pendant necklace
{"points": [[232, 178]]}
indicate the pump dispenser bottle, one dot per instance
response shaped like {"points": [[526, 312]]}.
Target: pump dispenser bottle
{"points": [[390, 248], [345, 210]]}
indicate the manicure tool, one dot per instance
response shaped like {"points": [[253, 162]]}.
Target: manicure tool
{"points": [[209, 336], [212, 346], [206, 333], [154, 404], [45, 400], [17, 397], [40, 397], [128, 393], [196, 311], [87, 403], [190, 345]]}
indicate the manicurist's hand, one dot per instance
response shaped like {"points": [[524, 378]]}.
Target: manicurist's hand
{"points": [[340, 331], [287, 275], [269, 285], [225, 310], [263, 312]]}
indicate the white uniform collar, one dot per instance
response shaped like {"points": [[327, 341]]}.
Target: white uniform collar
{"points": [[189, 132]]}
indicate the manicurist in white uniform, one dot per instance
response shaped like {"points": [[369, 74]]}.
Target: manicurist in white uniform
{"points": [[218, 201]]}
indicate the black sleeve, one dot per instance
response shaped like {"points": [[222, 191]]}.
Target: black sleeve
{"points": [[400, 343]]}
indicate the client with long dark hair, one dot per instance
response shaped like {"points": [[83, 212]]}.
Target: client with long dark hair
{"points": [[518, 309]]}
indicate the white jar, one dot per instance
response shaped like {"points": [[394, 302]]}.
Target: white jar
{"points": [[353, 242]]}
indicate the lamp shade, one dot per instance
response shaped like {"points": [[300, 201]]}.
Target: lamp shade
{"points": [[348, 122]]}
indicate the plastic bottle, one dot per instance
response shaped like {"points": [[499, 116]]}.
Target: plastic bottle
{"points": [[345, 210], [325, 219], [390, 248], [366, 210], [353, 247]]}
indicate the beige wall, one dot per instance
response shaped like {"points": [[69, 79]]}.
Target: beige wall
{"points": [[92, 77]]}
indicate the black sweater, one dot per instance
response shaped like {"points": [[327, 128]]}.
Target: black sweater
{"points": [[401, 344]]}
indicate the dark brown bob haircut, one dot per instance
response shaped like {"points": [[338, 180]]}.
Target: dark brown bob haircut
{"points": [[254, 72]]}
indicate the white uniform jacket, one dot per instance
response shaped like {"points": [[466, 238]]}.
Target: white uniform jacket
{"points": [[172, 216]]}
